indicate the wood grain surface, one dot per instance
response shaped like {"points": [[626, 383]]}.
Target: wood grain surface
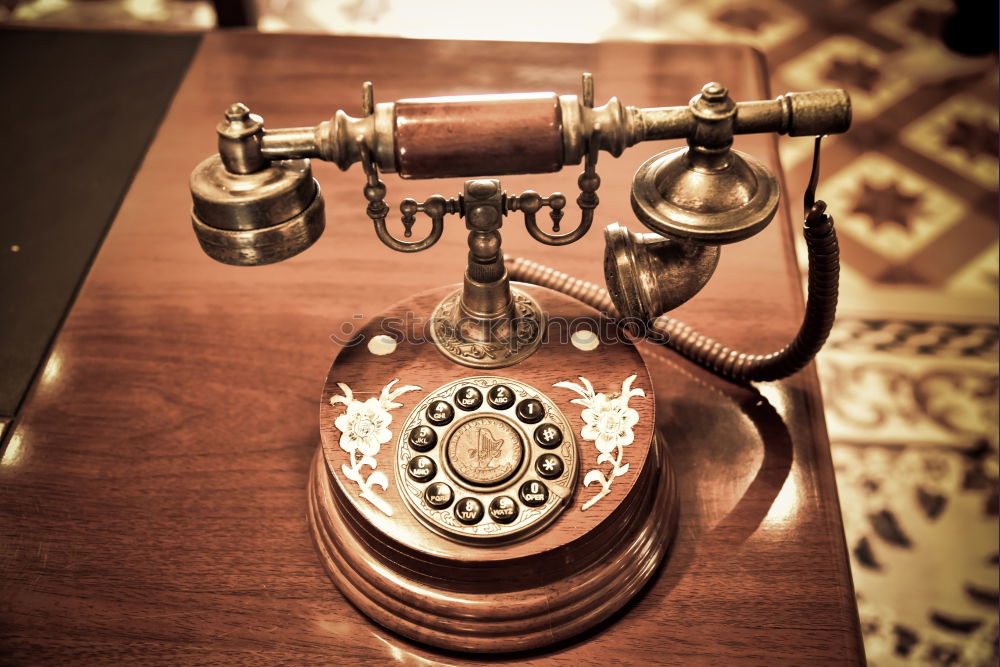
{"points": [[153, 491], [444, 138]]}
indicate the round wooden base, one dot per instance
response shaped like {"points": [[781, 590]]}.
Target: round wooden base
{"points": [[481, 594], [562, 604]]}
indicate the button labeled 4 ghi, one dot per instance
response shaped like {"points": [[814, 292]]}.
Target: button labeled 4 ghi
{"points": [[440, 413]]}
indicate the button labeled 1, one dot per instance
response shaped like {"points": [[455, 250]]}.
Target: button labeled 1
{"points": [[530, 411]]}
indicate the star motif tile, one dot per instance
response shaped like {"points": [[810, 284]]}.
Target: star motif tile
{"points": [[762, 24], [960, 133], [980, 275], [846, 62], [889, 208], [917, 24], [913, 21]]}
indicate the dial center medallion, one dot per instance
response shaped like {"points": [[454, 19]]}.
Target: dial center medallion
{"points": [[485, 451]]}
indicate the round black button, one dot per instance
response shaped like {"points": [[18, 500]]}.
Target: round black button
{"points": [[439, 495], [549, 466], [468, 398], [503, 509], [440, 413], [422, 438], [500, 397], [530, 411], [469, 511], [533, 493], [421, 468], [548, 436]]}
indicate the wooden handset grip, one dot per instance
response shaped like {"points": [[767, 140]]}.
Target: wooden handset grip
{"points": [[445, 136]]}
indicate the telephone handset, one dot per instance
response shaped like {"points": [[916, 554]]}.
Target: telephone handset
{"points": [[490, 478]]}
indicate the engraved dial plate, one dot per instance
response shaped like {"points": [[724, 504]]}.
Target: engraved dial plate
{"points": [[486, 459]]}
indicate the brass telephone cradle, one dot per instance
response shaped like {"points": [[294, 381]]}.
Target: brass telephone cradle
{"points": [[523, 494]]}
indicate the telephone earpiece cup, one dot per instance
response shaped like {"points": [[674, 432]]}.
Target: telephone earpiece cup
{"points": [[258, 218], [675, 196]]}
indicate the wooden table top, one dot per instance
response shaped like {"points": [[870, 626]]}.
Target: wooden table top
{"points": [[153, 491]]}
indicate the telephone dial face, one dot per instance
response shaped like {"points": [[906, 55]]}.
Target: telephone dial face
{"points": [[486, 459]]}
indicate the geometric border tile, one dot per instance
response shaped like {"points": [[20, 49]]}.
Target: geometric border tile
{"points": [[961, 132], [890, 209], [842, 61]]}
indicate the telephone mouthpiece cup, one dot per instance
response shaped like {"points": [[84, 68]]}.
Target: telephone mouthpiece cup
{"points": [[257, 218], [648, 275], [703, 196]]}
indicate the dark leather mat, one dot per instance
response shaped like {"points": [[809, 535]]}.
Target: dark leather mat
{"points": [[78, 110]]}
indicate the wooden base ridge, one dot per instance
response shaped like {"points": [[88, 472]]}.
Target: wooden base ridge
{"points": [[568, 559], [560, 606]]}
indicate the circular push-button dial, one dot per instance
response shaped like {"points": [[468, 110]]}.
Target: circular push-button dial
{"points": [[421, 468], [440, 413], [439, 495], [486, 459], [500, 397], [549, 466], [503, 509], [468, 398], [548, 436], [533, 493], [485, 451], [469, 511], [530, 411], [423, 438]]}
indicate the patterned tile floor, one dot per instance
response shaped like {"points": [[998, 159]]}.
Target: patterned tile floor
{"points": [[910, 373]]}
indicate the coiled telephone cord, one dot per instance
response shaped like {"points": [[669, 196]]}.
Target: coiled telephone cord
{"points": [[821, 308]]}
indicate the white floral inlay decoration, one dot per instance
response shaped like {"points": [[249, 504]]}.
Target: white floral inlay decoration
{"points": [[364, 428], [608, 424]]}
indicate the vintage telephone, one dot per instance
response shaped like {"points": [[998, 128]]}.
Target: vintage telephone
{"points": [[490, 478]]}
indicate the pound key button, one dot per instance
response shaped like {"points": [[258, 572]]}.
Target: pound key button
{"points": [[468, 398], [440, 413], [500, 397], [549, 466], [548, 436], [533, 493], [423, 438], [421, 468], [503, 509], [439, 495], [530, 411], [469, 511]]}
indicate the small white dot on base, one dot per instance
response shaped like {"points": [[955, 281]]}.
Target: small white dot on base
{"points": [[585, 340], [15, 248], [382, 345]]}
